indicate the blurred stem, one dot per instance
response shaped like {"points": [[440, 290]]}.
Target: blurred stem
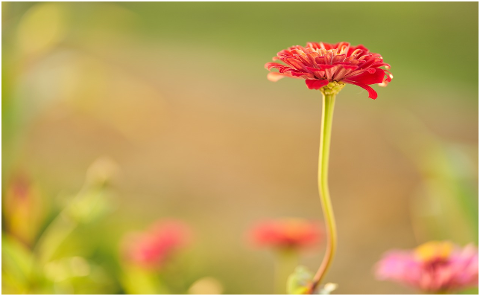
{"points": [[287, 260], [53, 236], [325, 135], [79, 210], [57, 231]]}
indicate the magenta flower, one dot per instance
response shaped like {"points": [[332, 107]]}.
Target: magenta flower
{"points": [[152, 248], [322, 63], [286, 234], [434, 267]]}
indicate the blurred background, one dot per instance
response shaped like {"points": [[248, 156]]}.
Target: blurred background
{"points": [[116, 115]]}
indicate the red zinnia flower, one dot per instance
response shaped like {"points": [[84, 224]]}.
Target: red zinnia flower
{"points": [[286, 233], [150, 249], [322, 63]]}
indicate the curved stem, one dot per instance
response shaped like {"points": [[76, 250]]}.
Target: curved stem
{"points": [[325, 134]]}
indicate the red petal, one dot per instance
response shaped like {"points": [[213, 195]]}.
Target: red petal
{"points": [[339, 44], [337, 59], [387, 80], [313, 69], [353, 48], [269, 66], [348, 66], [314, 45], [298, 74], [367, 77], [371, 92], [316, 84], [327, 46], [325, 67]]}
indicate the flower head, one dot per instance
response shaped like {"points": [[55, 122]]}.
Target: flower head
{"points": [[434, 267], [151, 249], [325, 66], [286, 234], [23, 209]]}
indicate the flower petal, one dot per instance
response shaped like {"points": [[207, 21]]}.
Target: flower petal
{"points": [[371, 76], [315, 83], [275, 76], [372, 94], [321, 68], [269, 66], [294, 73]]}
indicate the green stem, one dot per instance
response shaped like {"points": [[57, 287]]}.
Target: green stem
{"points": [[287, 260], [325, 134]]}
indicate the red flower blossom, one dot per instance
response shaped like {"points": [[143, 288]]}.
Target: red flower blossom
{"points": [[322, 63], [286, 233], [434, 267], [153, 247]]}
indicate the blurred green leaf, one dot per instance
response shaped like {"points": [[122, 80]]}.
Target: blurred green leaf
{"points": [[17, 265], [88, 205]]}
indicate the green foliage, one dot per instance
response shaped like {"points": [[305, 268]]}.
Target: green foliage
{"points": [[17, 265], [298, 282], [43, 270]]}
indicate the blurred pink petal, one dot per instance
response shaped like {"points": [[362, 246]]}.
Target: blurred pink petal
{"points": [[435, 270], [150, 249]]}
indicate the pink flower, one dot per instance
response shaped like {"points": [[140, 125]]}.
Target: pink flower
{"points": [[322, 63], [286, 234], [152, 248], [434, 267]]}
